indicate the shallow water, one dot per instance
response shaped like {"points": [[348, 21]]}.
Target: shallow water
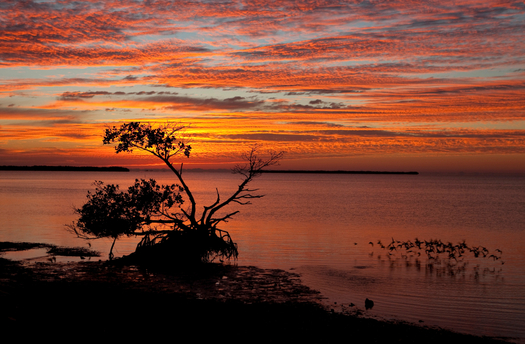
{"points": [[321, 226]]}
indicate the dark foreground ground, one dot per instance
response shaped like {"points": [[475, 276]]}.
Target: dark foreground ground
{"points": [[101, 301]]}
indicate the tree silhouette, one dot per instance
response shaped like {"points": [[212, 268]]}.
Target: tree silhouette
{"points": [[170, 228]]}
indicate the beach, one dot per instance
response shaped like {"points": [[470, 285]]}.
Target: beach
{"points": [[102, 299]]}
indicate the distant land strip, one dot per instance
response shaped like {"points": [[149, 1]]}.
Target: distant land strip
{"points": [[64, 168], [337, 172]]}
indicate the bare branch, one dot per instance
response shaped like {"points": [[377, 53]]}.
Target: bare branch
{"points": [[250, 170], [214, 222], [138, 211], [207, 208]]}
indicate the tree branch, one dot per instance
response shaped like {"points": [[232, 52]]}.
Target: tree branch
{"points": [[207, 208], [145, 208], [250, 170], [214, 222]]}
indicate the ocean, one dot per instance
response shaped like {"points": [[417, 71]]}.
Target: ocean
{"points": [[327, 229]]}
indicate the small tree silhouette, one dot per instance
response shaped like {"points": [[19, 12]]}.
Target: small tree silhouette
{"points": [[170, 229]]}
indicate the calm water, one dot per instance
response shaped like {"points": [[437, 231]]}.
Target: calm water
{"points": [[320, 226]]}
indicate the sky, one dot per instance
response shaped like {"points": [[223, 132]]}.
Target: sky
{"points": [[356, 85]]}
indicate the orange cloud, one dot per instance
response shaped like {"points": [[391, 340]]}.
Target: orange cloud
{"points": [[319, 79]]}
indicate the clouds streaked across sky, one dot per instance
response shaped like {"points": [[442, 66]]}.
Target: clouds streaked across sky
{"points": [[336, 84]]}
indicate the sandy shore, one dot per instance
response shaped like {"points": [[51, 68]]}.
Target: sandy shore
{"points": [[103, 300]]}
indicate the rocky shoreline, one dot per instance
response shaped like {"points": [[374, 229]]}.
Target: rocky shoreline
{"points": [[210, 302]]}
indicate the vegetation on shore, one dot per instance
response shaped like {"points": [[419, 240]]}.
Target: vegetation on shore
{"points": [[52, 250], [165, 216]]}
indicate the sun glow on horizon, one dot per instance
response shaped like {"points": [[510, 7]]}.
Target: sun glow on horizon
{"points": [[336, 85]]}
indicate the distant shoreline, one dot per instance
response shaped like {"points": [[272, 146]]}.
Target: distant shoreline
{"points": [[337, 172], [64, 168], [124, 169]]}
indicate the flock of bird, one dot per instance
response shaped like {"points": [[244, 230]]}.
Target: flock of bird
{"points": [[433, 248]]}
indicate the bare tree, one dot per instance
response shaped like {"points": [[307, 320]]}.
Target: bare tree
{"points": [[170, 229]]}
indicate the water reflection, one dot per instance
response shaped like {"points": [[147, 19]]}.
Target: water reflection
{"points": [[321, 226], [436, 258]]}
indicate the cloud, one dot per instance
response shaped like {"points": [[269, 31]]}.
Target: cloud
{"points": [[37, 117], [75, 95], [316, 123], [81, 95], [13, 85], [333, 76]]}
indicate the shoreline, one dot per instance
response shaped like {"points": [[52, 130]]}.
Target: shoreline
{"points": [[247, 302], [45, 168], [338, 172]]}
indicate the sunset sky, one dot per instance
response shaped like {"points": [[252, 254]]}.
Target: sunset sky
{"points": [[358, 85]]}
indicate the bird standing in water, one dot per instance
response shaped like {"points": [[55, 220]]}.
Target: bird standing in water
{"points": [[369, 304]]}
